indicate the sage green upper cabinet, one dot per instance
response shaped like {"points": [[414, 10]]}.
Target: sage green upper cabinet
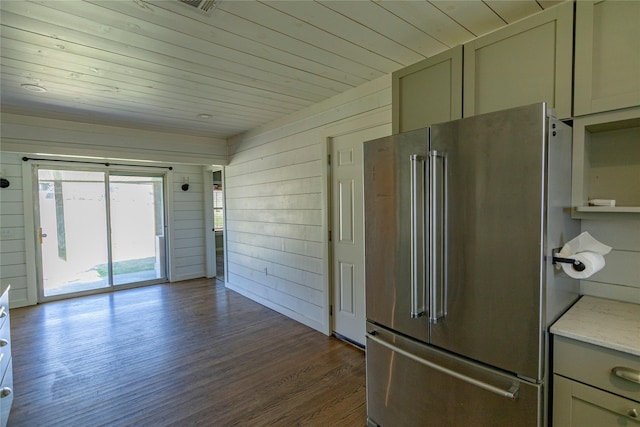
{"points": [[526, 62], [607, 56], [428, 92]]}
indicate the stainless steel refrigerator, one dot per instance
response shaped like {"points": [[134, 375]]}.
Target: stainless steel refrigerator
{"points": [[461, 220]]}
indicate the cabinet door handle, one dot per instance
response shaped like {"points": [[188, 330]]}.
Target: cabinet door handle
{"points": [[3, 342], [628, 374], [5, 392], [3, 312]]}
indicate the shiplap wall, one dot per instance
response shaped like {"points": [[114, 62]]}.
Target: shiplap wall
{"points": [[276, 203], [188, 224], [185, 216], [13, 260], [22, 135], [27, 134], [620, 278]]}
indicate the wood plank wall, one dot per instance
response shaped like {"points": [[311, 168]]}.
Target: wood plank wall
{"points": [[276, 203], [13, 265], [186, 209], [187, 224], [620, 278], [26, 134]]}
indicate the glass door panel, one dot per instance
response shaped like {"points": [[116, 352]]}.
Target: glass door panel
{"points": [[137, 228], [73, 233]]}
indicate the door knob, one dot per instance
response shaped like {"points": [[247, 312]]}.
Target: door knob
{"points": [[41, 235]]}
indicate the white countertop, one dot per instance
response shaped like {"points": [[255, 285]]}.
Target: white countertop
{"points": [[607, 323]]}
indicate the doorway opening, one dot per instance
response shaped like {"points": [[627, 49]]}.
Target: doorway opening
{"points": [[99, 230], [218, 223]]}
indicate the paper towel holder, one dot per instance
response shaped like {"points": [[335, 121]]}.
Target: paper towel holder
{"points": [[577, 265]]}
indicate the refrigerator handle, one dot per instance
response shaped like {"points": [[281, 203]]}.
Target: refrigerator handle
{"points": [[511, 393], [418, 280], [437, 270]]}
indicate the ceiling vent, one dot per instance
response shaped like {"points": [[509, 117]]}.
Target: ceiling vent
{"points": [[204, 6]]}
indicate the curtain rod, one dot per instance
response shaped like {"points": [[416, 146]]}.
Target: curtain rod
{"points": [[26, 159]]}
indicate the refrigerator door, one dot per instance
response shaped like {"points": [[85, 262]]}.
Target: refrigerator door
{"points": [[491, 185], [412, 384], [395, 183]]}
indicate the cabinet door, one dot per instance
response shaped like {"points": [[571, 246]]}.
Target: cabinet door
{"points": [[428, 92], [578, 405], [6, 394], [524, 63], [607, 56]]}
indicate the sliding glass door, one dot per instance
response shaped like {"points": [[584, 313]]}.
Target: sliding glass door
{"points": [[137, 228], [99, 230], [72, 233]]}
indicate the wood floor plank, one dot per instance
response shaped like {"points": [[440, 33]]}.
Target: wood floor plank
{"points": [[185, 354]]}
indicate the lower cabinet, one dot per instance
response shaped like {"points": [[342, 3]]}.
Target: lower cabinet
{"points": [[594, 386], [6, 394], [6, 365], [578, 405]]}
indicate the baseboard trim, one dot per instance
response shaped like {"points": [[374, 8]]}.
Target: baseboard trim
{"points": [[278, 308]]}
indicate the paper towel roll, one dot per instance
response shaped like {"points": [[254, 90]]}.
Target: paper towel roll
{"points": [[583, 243], [592, 261]]}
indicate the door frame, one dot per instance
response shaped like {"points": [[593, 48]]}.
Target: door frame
{"points": [[34, 291], [210, 236], [210, 241]]}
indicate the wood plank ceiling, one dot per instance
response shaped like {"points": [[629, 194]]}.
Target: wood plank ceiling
{"points": [[161, 65]]}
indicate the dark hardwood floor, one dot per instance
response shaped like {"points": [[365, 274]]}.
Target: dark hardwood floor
{"points": [[183, 354]]}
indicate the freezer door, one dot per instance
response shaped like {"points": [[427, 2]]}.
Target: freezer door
{"points": [[492, 184], [411, 384], [395, 183]]}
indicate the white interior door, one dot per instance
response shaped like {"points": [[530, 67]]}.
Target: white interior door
{"points": [[347, 219]]}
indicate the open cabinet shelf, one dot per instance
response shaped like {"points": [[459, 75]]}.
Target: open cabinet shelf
{"points": [[615, 209], [606, 162]]}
